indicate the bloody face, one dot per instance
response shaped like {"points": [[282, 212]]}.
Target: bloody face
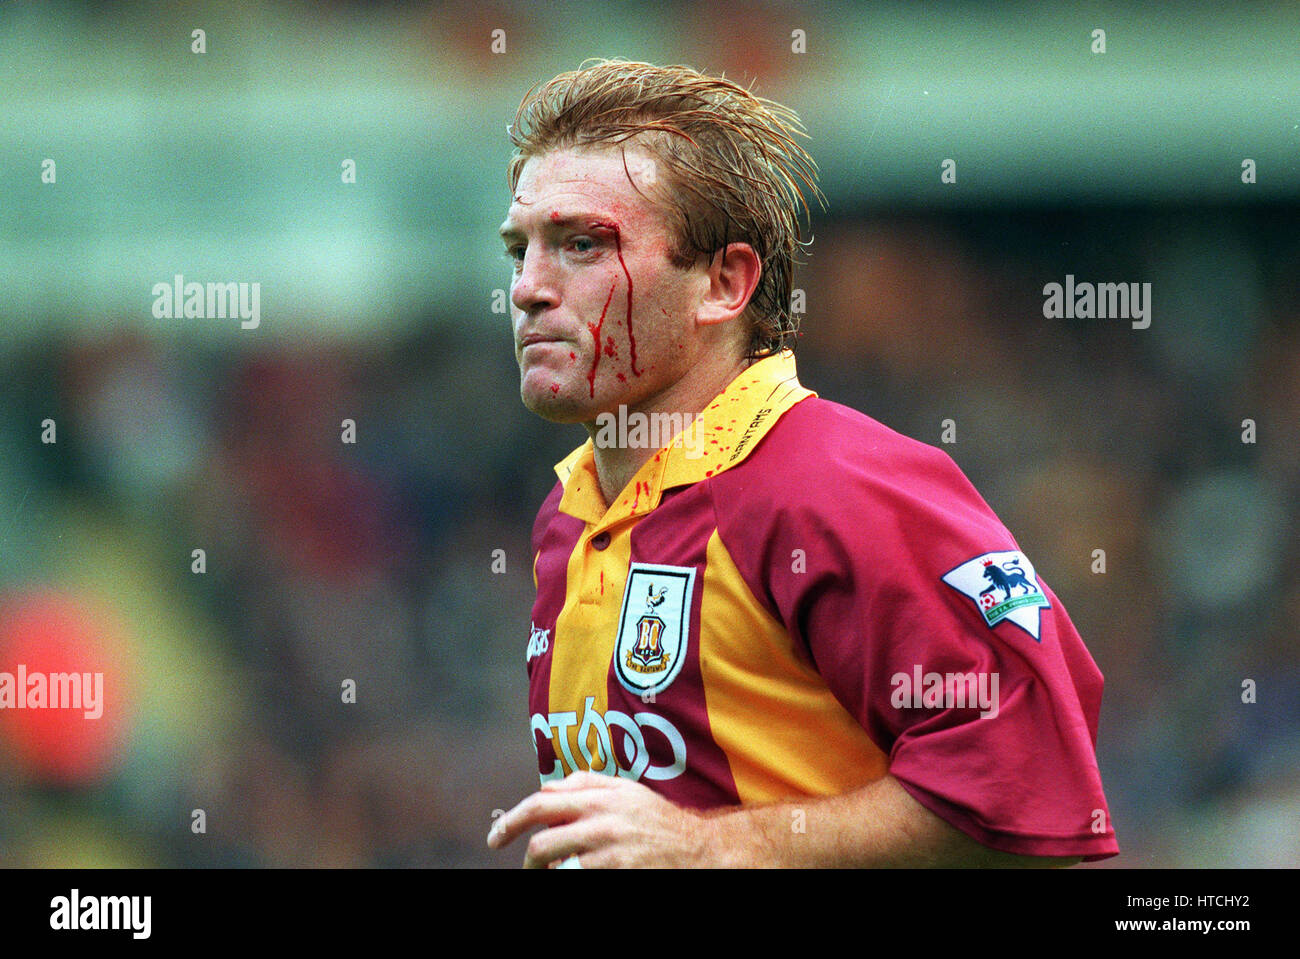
{"points": [[601, 317]]}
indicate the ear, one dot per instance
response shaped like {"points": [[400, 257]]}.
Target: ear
{"points": [[733, 275]]}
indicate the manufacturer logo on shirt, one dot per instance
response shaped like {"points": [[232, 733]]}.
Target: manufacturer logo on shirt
{"points": [[539, 641], [653, 627], [1003, 585]]}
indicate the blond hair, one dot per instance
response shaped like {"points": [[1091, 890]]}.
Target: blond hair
{"points": [[733, 168]]}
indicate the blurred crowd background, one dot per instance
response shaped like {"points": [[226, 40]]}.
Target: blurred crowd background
{"points": [[373, 561]]}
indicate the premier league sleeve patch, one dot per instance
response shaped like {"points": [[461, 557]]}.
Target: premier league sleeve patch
{"points": [[653, 627], [1003, 586]]}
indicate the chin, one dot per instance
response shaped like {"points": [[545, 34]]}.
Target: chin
{"points": [[557, 407]]}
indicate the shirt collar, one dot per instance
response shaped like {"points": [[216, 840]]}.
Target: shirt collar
{"points": [[722, 436]]}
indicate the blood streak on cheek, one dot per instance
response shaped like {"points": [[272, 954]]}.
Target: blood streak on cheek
{"points": [[618, 249], [595, 334]]}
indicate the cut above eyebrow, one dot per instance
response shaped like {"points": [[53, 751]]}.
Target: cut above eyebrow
{"points": [[591, 220]]}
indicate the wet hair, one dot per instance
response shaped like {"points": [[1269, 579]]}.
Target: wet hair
{"points": [[733, 169]]}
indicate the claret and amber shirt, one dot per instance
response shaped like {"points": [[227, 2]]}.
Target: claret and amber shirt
{"points": [[811, 603]]}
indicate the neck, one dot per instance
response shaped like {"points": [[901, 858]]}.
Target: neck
{"points": [[616, 465]]}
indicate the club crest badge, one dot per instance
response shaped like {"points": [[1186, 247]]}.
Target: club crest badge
{"points": [[1003, 586], [653, 627]]}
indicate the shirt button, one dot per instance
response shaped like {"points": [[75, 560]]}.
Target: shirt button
{"points": [[600, 540]]}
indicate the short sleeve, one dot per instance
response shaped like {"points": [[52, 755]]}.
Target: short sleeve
{"points": [[974, 683]]}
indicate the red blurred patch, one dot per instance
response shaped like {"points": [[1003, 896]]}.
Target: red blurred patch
{"points": [[51, 634]]}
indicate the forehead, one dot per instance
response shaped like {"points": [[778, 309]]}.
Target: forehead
{"points": [[616, 181]]}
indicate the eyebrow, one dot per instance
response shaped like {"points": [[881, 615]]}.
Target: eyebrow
{"points": [[592, 220]]}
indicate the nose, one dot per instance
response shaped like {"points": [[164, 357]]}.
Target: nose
{"points": [[534, 286]]}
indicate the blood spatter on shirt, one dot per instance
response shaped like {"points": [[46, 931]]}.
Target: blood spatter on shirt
{"points": [[637, 493]]}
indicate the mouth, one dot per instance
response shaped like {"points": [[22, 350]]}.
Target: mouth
{"points": [[535, 339]]}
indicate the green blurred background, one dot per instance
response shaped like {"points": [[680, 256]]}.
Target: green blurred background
{"points": [[373, 561]]}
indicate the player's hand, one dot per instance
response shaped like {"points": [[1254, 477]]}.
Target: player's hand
{"points": [[607, 822]]}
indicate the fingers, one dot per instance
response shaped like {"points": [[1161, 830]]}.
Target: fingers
{"points": [[547, 807], [553, 847]]}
